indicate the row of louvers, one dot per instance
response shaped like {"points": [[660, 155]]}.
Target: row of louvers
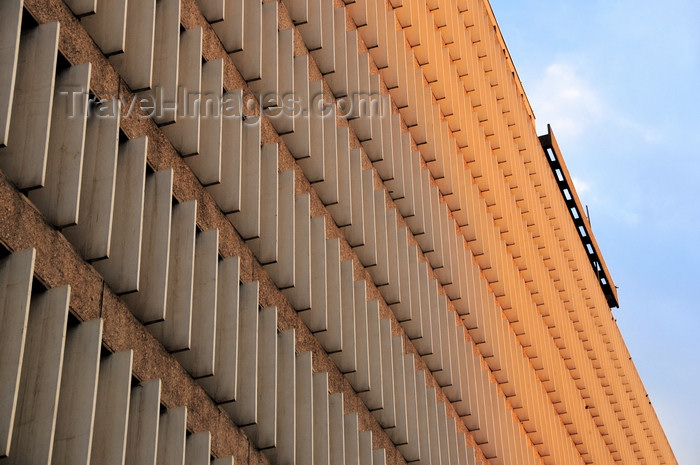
{"points": [[97, 187]]}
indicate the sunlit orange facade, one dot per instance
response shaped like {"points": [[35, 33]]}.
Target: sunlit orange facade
{"points": [[295, 232]]}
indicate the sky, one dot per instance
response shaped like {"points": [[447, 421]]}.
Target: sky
{"points": [[619, 81]]}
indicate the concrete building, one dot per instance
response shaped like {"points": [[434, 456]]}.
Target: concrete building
{"points": [[296, 231]]}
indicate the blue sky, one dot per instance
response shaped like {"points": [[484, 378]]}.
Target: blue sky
{"points": [[619, 81]]}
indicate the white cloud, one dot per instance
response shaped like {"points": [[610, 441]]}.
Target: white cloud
{"points": [[563, 98], [581, 186]]}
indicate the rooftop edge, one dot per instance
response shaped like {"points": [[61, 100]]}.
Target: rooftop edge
{"points": [[583, 226]]}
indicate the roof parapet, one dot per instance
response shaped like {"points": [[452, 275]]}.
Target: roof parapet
{"points": [[580, 219]]}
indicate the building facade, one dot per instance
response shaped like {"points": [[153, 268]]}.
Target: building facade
{"points": [[295, 232]]}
